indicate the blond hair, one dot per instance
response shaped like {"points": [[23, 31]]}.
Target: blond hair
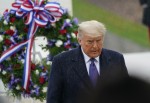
{"points": [[92, 28]]}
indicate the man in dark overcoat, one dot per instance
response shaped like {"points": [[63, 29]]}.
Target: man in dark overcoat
{"points": [[80, 70]]}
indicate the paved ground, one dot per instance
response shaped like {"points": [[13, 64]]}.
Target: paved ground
{"points": [[122, 45]]}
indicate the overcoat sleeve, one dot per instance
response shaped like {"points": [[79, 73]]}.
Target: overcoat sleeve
{"points": [[55, 84]]}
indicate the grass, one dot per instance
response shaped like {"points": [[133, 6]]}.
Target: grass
{"points": [[114, 23]]}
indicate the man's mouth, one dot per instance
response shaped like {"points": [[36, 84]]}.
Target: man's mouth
{"points": [[94, 51]]}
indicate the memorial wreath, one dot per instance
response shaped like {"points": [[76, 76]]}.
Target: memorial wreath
{"points": [[19, 26]]}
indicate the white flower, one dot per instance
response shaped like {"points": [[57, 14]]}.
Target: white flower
{"points": [[73, 35], [1, 38], [4, 72], [57, 19], [22, 60], [32, 91], [8, 59], [35, 86], [58, 43], [53, 24], [68, 20], [19, 37], [48, 62], [43, 74], [5, 22], [37, 72], [18, 87], [44, 89], [12, 28]]}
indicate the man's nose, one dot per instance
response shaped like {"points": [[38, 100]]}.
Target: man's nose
{"points": [[95, 44]]}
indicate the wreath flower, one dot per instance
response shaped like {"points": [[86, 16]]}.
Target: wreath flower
{"points": [[14, 29]]}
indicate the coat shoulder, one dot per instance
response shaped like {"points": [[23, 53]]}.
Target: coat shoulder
{"points": [[111, 52], [67, 54]]}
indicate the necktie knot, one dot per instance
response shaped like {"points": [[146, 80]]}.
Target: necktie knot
{"points": [[92, 60]]}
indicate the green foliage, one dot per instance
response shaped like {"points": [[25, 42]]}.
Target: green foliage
{"points": [[53, 33]]}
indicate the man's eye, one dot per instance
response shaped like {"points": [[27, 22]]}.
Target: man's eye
{"points": [[99, 41], [89, 41]]}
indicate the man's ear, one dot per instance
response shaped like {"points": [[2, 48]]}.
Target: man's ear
{"points": [[79, 40]]}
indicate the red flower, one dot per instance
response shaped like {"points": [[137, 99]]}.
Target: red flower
{"points": [[7, 42], [12, 20], [76, 32], [33, 66], [14, 55], [10, 32], [17, 66], [6, 10], [67, 46], [42, 80], [25, 29], [63, 31]]}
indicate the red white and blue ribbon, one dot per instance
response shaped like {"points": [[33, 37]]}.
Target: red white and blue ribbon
{"points": [[37, 15]]}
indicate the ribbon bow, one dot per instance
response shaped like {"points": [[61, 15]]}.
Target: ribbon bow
{"points": [[37, 14]]}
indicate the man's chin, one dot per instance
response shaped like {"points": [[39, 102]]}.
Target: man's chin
{"points": [[94, 55]]}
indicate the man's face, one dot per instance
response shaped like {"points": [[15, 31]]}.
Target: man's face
{"points": [[92, 46]]}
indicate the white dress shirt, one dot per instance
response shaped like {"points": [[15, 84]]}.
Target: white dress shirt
{"points": [[88, 62]]}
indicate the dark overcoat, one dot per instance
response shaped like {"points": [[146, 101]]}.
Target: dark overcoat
{"points": [[69, 77]]}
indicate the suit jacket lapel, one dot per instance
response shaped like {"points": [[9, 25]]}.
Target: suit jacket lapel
{"points": [[104, 63], [79, 67]]}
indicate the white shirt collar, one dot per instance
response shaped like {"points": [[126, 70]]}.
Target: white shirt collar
{"points": [[87, 58]]}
